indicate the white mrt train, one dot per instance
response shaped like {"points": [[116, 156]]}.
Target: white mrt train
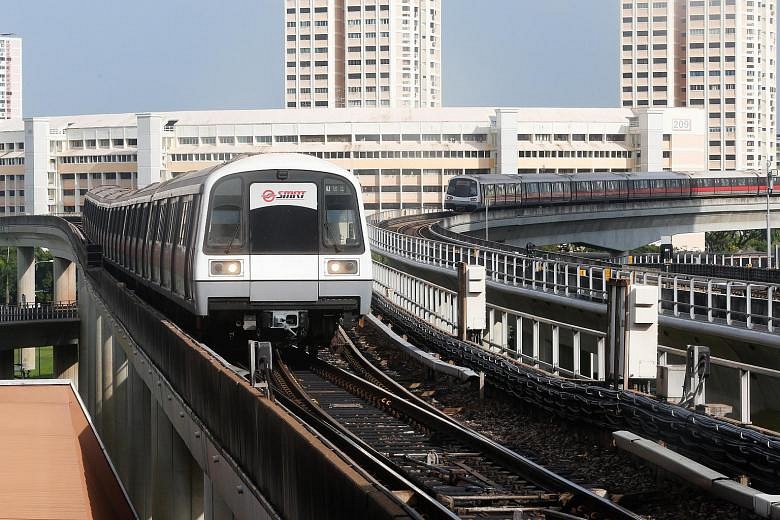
{"points": [[275, 243]]}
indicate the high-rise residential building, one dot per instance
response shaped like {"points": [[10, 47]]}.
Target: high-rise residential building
{"points": [[717, 55], [10, 77], [362, 53]]}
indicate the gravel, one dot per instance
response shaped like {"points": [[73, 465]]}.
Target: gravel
{"points": [[576, 451]]}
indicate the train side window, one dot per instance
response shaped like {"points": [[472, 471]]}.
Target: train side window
{"points": [[510, 193], [170, 210], [185, 214], [500, 198], [162, 221]]}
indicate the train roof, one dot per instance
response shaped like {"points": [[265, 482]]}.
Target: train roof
{"points": [[192, 182]]}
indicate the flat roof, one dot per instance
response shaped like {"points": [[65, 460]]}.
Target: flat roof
{"points": [[53, 463]]}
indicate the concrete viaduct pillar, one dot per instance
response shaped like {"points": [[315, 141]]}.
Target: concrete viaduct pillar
{"points": [[25, 275], [25, 292], [64, 280]]}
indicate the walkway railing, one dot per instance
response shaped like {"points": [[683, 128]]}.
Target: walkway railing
{"points": [[39, 311], [553, 346], [745, 305]]}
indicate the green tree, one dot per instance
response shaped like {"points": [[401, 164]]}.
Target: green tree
{"points": [[44, 275], [739, 241], [8, 275]]}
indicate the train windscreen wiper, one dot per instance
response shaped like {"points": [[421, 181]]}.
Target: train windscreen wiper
{"points": [[233, 238], [329, 234]]}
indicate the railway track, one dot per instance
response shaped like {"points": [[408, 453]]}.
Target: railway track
{"points": [[470, 474]]}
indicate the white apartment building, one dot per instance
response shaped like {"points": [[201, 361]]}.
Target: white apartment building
{"points": [[362, 53], [403, 158], [10, 77], [717, 55]]}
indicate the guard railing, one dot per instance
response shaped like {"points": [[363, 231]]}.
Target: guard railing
{"points": [[700, 258], [742, 372], [39, 311], [553, 346], [714, 300]]}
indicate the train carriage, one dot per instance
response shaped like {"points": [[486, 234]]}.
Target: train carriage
{"points": [[474, 192], [275, 242]]}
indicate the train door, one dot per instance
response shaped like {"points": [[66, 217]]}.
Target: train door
{"points": [[545, 192], [181, 232], [143, 240], [190, 246], [157, 239], [500, 195], [284, 236], [166, 257], [598, 191], [532, 192], [127, 235]]}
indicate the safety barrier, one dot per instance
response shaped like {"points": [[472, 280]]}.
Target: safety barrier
{"points": [[553, 346], [743, 373], [714, 300], [694, 257], [39, 311]]}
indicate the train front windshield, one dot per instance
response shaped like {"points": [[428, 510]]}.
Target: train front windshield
{"points": [[309, 213], [462, 188]]}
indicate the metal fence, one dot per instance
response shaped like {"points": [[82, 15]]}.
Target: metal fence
{"points": [[553, 346], [39, 311], [714, 300], [757, 260], [556, 347], [741, 375]]}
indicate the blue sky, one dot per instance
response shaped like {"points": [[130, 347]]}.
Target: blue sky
{"points": [[98, 56]]}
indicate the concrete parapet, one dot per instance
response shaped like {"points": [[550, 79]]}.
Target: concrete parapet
{"points": [[762, 504]]}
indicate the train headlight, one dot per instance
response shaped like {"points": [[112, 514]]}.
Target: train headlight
{"points": [[342, 266], [225, 267]]}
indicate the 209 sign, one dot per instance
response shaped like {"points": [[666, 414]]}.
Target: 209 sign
{"points": [[681, 125]]}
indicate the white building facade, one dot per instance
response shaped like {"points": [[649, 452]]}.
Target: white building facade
{"points": [[362, 53], [403, 158], [10, 77], [718, 55]]}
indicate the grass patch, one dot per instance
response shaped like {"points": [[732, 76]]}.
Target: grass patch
{"points": [[44, 364]]}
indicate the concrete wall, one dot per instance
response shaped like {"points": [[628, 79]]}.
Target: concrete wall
{"points": [[149, 433]]}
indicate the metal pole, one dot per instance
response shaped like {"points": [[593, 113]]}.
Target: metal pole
{"points": [[463, 284], [769, 187], [486, 217]]}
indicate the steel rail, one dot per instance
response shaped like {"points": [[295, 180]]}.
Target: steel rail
{"points": [[354, 447], [421, 412]]}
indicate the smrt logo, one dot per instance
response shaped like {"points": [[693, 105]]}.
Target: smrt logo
{"points": [[291, 194], [269, 195]]}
